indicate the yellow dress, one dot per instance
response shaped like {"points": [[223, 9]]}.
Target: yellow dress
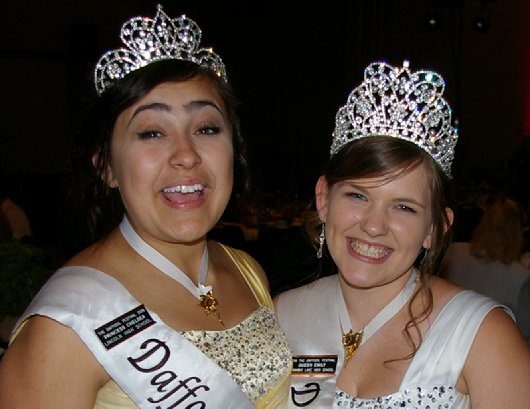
{"points": [[255, 353]]}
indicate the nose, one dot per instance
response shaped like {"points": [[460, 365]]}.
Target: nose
{"points": [[374, 222], [184, 153]]}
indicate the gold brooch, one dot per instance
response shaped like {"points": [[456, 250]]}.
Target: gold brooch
{"points": [[351, 342], [209, 303]]}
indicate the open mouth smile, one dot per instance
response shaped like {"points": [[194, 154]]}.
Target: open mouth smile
{"points": [[366, 250], [184, 188]]}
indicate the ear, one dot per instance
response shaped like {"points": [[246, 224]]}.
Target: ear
{"points": [[428, 239], [450, 218], [321, 198], [107, 175]]}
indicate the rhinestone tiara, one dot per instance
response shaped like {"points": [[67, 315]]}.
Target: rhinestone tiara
{"points": [[394, 101], [149, 40]]}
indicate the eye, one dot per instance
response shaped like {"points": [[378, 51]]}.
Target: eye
{"points": [[209, 130], [356, 195], [150, 134], [406, 208]]}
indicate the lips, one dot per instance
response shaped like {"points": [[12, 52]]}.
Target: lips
{"points": [[369, 252], [185, 193]]}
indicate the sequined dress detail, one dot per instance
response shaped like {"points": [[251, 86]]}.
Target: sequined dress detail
{"points": [[313, 330], [429, 382], [244, 351]]}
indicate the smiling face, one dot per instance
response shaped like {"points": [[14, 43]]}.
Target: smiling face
{"points": [[172, 161], [375, 229]]}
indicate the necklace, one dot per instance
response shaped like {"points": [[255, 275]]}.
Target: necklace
{"points": [[202, 292], [351, 341]]}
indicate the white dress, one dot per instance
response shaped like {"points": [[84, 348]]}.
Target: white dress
{"points": [[430, 379]]}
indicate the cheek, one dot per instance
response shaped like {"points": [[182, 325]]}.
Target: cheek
{"points": [[227, 169], [420, 232], [222, 161], [342, 215], [130, 167]]}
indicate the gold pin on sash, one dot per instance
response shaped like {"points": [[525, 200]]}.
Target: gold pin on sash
{"points": [[209, 303], [351, 342]]}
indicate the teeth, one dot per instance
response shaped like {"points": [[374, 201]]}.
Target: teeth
{"points": [[184, 188], [368, 250]]}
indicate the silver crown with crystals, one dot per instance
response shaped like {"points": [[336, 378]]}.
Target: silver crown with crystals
{"points": [[396, 102], [149, 40]]}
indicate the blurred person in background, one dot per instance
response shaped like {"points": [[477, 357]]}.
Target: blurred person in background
{"points": [[491, 263], [14, 222]]}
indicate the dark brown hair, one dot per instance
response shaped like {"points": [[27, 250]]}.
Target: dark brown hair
{"points": [[99, 206]]}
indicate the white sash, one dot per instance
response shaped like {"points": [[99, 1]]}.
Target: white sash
{"points": [[314, 318], [308, 316], [152, 363]]}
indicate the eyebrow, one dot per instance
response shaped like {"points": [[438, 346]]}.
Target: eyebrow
{"points": [[396, 200], [410, 200], [189, 107], [198, 104]]}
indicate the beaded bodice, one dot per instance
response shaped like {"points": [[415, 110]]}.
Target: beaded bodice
{"points": [[428, 382], [437, 397], [244, 351]]}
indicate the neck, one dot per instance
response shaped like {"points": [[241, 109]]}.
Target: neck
{"points": [[363, 303], [185, 256]]}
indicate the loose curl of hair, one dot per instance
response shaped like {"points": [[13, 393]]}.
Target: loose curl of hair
{"points": [[93, 202], [388, 158]]}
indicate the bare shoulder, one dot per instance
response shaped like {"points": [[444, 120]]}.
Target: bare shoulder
{"points": [[444, 287], [497, 370], [95, 254], [443, 291], [55, 366], [500, 332]]}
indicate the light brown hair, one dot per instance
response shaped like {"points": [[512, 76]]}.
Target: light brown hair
{"points": [[388, 158]]}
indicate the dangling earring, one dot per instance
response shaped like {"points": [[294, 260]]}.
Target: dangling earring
{"points": [[321, 240], [424, 251]]}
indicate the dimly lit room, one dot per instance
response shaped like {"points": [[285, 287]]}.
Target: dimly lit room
{"points": [[291, 65]]}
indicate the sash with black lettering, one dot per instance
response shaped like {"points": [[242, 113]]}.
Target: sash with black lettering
{"points": [[314, 334], [152, 363]]}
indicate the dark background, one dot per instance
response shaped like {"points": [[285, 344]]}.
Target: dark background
{"points": [[293, 66]]}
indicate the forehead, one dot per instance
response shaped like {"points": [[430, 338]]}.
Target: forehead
{"points": [[175, 98], [181, 92]]}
